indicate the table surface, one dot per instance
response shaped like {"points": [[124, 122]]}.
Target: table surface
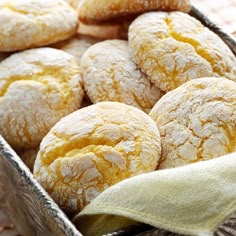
{"points": [[222, 12]]}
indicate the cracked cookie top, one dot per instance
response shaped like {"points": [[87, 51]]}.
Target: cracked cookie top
{"points": [[173, 48], [37, 88], [197, 121], [94, 148], [110, 74], [33, 23]]}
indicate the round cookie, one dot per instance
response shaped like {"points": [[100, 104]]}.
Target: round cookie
{"points": [[76, 46], [94, 148], [110, 74], [197, 121], [37, 88], [33, 23], [173, 48], [93, 11]]}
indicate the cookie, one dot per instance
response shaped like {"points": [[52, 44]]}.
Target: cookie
{"points": [[93, 11], [33, 23], [197, 121], [173, 48], [94, 148], [37, 88], [110, 74]]}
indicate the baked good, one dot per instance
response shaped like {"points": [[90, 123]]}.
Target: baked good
{"points": [[110, 74], [93, 11], [173, 48], [197, 121], [33, 23], [94, 148], [37, 88]]}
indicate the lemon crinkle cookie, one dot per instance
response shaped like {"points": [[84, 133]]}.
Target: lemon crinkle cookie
{"points": [[197, 121], [33, 23], [173, 48], [110, 74], [94, 148], [37, 88], [93, 11]]}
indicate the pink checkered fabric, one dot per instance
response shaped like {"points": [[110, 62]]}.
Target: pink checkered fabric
{"points": [[221, 12]]}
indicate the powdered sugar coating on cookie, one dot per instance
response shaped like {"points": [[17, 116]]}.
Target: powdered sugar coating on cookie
{"points": [[197, 121], [33, 23], [94, 148], [37, 88], [110, 74], [173, 48]]}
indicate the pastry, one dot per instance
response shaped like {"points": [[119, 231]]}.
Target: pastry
{"points": [[93, 11], [197, 121], [37, 88], [110, 74], [94, 148], [173, 48], [33, 23]]}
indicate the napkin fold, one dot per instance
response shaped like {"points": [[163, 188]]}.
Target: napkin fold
{"points": [[190, 200]]}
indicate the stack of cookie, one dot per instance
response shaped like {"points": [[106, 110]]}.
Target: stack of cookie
{"points": [[162, 84]]}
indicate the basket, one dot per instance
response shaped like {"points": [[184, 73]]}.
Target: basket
{"points": [[34, 213]]}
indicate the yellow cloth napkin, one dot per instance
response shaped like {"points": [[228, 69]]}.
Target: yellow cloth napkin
{"points": [[191, 200]]}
